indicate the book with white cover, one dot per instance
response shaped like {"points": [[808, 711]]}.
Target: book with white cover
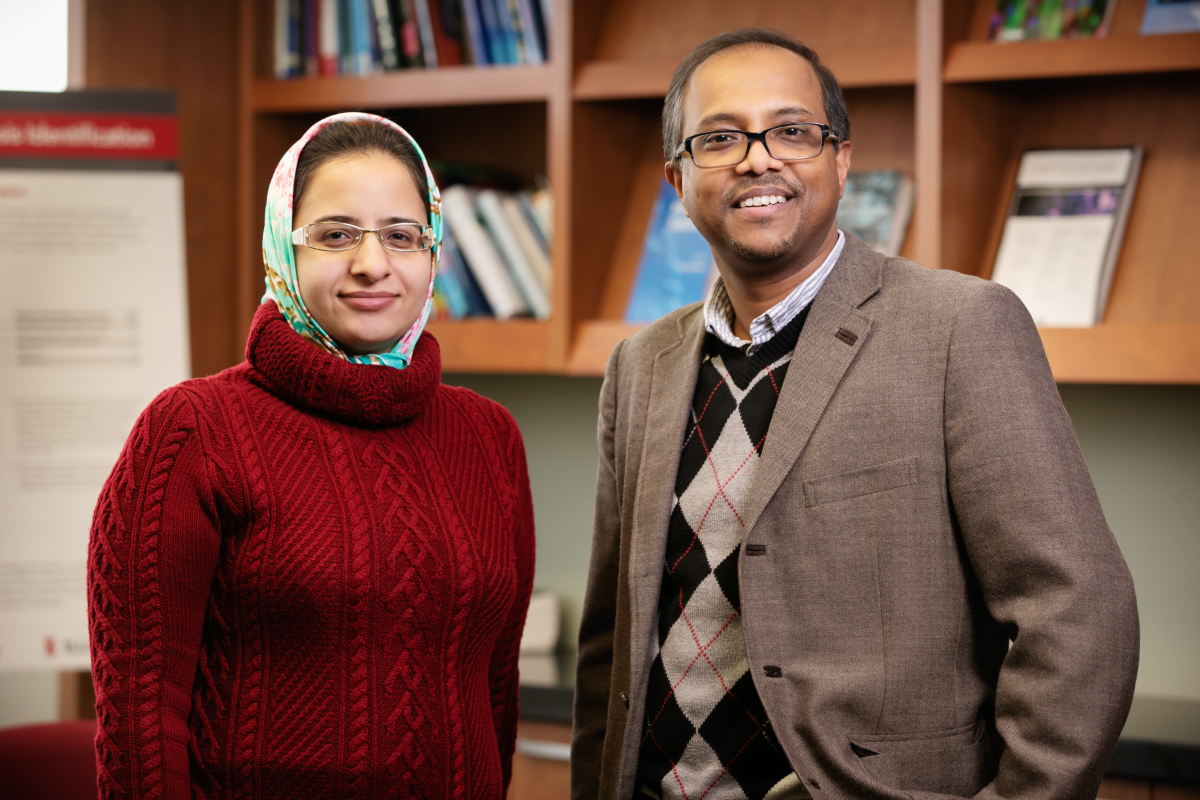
{"points": [[1065, 223], [538, 258], [485, 263], [497, 224]]}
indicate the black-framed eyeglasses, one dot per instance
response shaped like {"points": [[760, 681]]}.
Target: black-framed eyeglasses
{"points": [[795, 141], [403, 237]]}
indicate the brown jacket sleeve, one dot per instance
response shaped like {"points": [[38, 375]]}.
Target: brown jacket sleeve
{"points": [[1048, 566], [593, 675]]}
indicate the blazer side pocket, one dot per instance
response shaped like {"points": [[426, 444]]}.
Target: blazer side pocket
{"points": [[957, 762], [859, 482]]}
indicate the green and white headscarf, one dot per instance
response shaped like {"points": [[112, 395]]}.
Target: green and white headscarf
{"points": [[280, 261]]}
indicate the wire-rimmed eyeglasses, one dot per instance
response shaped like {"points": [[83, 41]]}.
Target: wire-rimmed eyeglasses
{"points": [[795, 141], [402, 237]]}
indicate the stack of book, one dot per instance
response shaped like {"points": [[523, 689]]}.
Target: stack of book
{"points": [[495, 258], [365, 37], [1022, 20]]}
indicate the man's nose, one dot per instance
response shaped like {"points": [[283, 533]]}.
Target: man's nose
{"points": [[758, 160]]}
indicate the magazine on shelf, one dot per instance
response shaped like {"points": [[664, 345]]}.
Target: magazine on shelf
{"points": [[1063, 234], [1171, 16], [676, 266], [876, 207], [1024, 20]]}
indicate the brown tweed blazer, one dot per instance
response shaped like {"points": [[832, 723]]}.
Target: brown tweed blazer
{"points": [[922, 501]]}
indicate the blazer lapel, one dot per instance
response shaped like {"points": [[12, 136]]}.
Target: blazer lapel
{"points": [[672, 385], [832, 336]]}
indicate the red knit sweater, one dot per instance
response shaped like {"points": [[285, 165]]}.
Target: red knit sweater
{"points": [[308, 579]]}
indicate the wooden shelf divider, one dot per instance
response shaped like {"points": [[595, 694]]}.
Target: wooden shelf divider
{"points": [[1125, 55], [489, 345], [447, 86]]}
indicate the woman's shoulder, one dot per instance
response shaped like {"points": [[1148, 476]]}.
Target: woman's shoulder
{"points": [[190, 403]]}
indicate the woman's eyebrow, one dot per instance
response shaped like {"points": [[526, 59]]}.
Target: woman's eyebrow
{"points": [[356, 221]]}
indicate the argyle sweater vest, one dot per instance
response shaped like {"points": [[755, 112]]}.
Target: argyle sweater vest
{"points": [[706, 733]]}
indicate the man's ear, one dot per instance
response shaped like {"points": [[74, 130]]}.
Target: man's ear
{"points": [[842, 160], [673, 172]]}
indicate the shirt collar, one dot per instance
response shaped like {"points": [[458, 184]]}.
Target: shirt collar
{"points": [[718, 310]]}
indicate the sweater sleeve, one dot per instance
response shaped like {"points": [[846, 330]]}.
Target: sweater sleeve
{"points": [[1047, 564], [503, 672], [153, 551]]}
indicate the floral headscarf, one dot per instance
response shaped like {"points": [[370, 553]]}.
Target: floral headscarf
{"points": [[280, 261]]}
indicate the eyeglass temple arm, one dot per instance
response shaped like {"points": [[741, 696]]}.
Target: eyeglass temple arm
{"points": [[300, 236]]}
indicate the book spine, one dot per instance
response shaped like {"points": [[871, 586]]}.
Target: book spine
{"points": [[535, 30], [496, 223], [480, 254], [329, 38], [513, 49], [345, 39], [447, 47], [535, 253], [360, 37], [531, 218], [476, 41], [425, 29], [453, 299], [312, 37], [1109, 268], [389, 56], [410, 36], [491, 30], [477, 304]]}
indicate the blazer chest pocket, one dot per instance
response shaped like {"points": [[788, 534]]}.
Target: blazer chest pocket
{"points": [[859, 482]]}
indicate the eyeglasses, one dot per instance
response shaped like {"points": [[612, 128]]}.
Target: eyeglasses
{"points": [[793, 142], [403, 237]]}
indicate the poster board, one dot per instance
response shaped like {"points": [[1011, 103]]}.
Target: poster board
{"points": [[93, 325]]}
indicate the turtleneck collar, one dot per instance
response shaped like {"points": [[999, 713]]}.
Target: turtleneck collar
{"points": [[359, 394]]}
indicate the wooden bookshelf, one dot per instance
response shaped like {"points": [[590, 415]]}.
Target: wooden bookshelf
{"points": [[927, 93]]}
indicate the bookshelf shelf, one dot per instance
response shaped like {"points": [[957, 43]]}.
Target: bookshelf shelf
{"points": [[986, 61], [486, 345], [629, 79], [447, 86], [957, 122]]}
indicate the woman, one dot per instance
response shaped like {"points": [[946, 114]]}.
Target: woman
{"points": [[309, 573]]}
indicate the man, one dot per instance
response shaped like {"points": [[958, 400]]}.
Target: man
{"points": [[845, 542]]}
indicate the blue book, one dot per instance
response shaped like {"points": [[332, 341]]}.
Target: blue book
{"points": [[675, 265], [452, 260], [476, 40], [362, 56], [1171, 16], [496, 49], [509, 33]]}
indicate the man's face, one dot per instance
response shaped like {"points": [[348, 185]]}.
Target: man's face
{"points": [[752, 88]]}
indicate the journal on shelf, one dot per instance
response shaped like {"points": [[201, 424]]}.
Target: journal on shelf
{"points": [[1065, 223], [365, 37], [676, 266], [1171, 16], [876, 207]]}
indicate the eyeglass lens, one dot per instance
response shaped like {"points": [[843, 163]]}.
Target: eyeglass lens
{"points": [[725, 148], [403, 237]]}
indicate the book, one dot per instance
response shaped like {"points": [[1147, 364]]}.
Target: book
{"points": [[676, 265], [452, 258], [538, 27], [474, 38], [361, 56], [1065, 223], [1170, 16], [408, 34], [535, 224], [491, 213], [516, 33], [345, 41], [329, 41], [1023, 20], [425, 30], [385, 34], [876, 207], [533, 247], [446, 32], [497, 48], [312, 36], [288, 44], [485, 263]]}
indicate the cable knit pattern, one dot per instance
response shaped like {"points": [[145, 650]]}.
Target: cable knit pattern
{"points": [[308, 578]]}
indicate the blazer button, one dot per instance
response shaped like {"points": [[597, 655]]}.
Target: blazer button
{"points": [[772, 671], [625, 700]]}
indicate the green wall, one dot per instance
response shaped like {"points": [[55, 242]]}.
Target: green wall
{"points": [[1142, 444]]}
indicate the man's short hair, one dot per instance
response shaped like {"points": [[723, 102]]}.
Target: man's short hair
{"points": [[672, 119]]}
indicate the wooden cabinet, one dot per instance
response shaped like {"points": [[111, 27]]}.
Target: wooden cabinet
{"points": [[927, 94]]}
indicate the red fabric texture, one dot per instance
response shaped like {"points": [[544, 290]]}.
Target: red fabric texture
{"points": [[308, 578]]}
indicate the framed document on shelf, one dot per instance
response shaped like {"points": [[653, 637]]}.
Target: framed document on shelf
{"points": [[93, 324], [1066, 220]]}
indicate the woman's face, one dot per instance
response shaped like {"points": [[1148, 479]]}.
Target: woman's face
{"points": [[368, 297]]}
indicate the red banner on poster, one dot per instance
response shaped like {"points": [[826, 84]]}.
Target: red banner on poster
{"points": [[48, 134]]}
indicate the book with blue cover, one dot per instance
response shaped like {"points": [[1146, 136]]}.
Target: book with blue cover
{"points": [[676, 264], [1171, 16]]}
